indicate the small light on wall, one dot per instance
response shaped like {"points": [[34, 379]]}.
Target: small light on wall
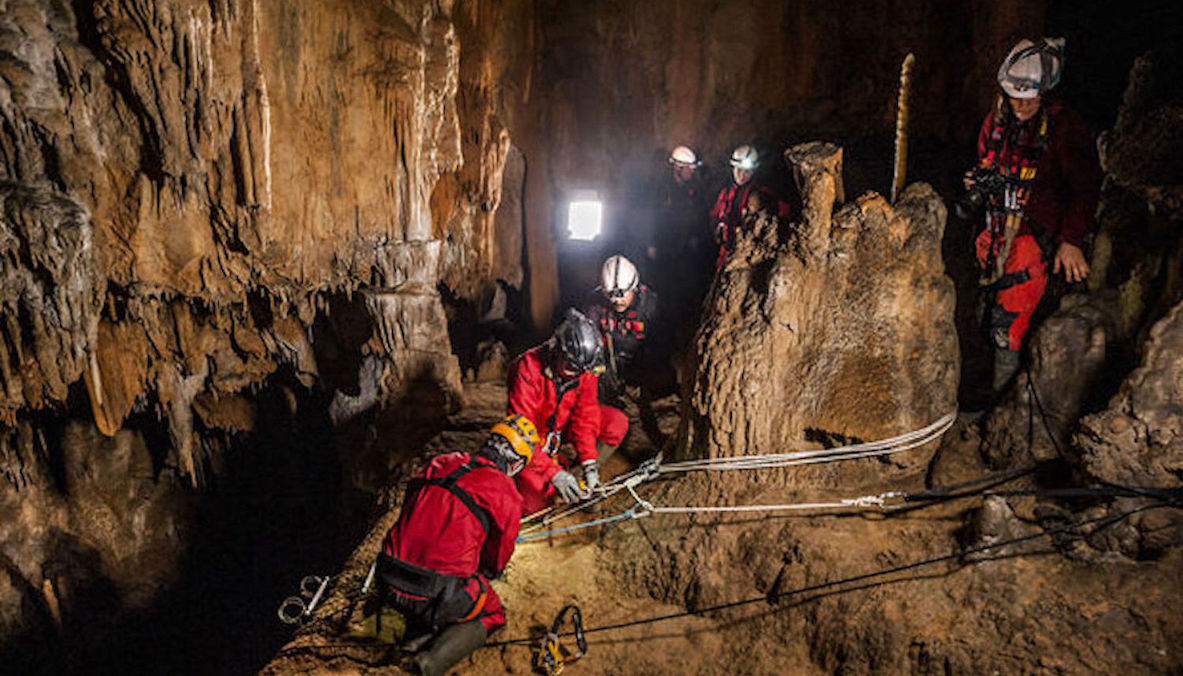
{"points": [[584, 216]]}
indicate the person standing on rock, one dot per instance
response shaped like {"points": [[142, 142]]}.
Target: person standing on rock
{"points": [[736, 201], [457, 530], [556, 386], [1038, 178]]}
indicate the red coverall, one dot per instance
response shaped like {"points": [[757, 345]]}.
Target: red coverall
{"points": [[439, 532], [728, 213], [1063, 198], [579, 414]]}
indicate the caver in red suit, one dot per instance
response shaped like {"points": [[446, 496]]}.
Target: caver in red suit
{"points": [[1054, 145], [1039, 178], [571, 406], [460, 520], [456, 530]]}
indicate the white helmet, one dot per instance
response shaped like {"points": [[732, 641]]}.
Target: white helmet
{"points": [[684, 156], [618, 276], [1032, 68], [745, 157]]}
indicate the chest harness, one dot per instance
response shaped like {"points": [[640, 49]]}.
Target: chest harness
{"points": [[434, 598], [1017, 160], [554, 437], [627, 325], [733, 213]]}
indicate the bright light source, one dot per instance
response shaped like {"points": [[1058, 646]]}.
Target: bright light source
{"points": [[583, 220]]}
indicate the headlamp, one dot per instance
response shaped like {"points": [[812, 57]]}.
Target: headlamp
{"points": [[616, 294]]}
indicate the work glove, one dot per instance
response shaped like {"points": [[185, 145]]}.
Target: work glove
{"points": [[567, 487], [591, 474]]}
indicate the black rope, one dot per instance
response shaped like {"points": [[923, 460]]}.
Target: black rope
{"points": [[1042, 415], [1106, 490], [775, 595], [958, 489], [849, 580]]}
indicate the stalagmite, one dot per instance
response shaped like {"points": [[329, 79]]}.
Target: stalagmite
{"points": [[900, 171]]}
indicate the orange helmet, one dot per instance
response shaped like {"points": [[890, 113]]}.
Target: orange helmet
{"points": [[522, 436]]}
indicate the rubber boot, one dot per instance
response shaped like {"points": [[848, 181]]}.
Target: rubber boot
{"points": [[1006, 365], [454, 644]]}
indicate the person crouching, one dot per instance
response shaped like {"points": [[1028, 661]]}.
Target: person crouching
{"points": [[457, 530]]}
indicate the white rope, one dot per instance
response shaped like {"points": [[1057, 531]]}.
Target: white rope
{"points": [[864, 502], [559, 512], [882, 501], [869, 449], [541, 520]]}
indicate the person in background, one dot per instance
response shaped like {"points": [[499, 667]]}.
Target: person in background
{"points": [[625, 310], [736, 201], [679, 265]]}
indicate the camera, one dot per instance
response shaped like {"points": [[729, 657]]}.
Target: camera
{"points": [[987, 183]]}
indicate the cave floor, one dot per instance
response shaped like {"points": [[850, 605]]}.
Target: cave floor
{"points": [[542, 578], [1032, 610]]}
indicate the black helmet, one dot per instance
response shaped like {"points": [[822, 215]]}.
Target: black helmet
{"points": [[579, 343]]}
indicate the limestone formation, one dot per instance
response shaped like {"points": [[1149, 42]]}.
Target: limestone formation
{"points": [[51, 297], [114, 538], [216, 240], [1138, 253], [1067, 358], [1138, 440], [190, 191], [831, 330]]}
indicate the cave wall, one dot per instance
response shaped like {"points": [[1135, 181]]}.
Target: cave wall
{"points": [[203, 199]]}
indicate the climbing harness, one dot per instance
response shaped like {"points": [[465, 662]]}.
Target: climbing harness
{"points": [[449, 483], [1017, 162], [551, 655], [295, 609]]}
